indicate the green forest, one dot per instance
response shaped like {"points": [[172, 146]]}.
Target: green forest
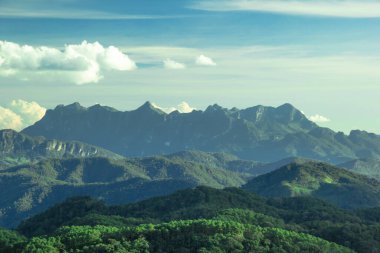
{"points": [[198, 220]]}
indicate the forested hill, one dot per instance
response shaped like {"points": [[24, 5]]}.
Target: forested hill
{"points": [[216, 220], [32, 187], [310, 178]]}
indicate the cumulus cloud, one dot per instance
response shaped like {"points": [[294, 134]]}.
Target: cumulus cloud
{"points": [[9, 119], [20, 114], [341, 8], [319, 119], [203, 60], [82, 63], [183, 107], [30, 112], [170, 64]]}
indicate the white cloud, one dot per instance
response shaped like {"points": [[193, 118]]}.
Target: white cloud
{"points": [[203, 60], [182, 108], [9, 119], [319, 119], [20, 114], [30, 112], [170, 64], [81, 64], [333, 8], [55, 10]]}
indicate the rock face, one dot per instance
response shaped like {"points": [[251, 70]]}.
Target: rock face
{"points": [[258, 133], [18, 148], [368, 167]]}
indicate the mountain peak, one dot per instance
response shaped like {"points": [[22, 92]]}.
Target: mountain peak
{"points": [[98, 107], [287, 107], [149, 107], [214, 108], [76, 106], [290, 113]]}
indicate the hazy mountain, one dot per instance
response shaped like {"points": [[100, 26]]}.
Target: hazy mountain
{"points": [[368, 167], [257, 133], [338, 186], [30, 188], [17, 148]]}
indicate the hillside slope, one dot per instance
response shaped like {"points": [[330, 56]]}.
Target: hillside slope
{"points": [[341, 187], [31, 188]]}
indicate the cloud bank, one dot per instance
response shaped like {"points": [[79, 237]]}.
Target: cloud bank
{"points": [[319, 119], [203, 60], [20, 114], [82, 63], [9, 119], [170, 64], [183, 107], [332, 8]]}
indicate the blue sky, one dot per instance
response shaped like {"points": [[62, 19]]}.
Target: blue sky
{"points": [[322, 56]]}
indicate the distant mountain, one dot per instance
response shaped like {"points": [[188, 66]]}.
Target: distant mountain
{"points": [[17, 148], [368, 167], [31, 188], [258, 133], [330, 183]]}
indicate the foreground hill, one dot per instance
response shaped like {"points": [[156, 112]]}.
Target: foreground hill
{"points": [[204, 205], [17, 148], [30, 188], [176, 236], [257, 133], [308, 178]]}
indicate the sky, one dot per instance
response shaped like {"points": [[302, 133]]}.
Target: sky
{"points": [[322, 56]]}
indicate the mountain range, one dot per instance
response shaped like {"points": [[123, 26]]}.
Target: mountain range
{"points": [[31, 188], [39, 170], [280, 183], [260, 133]]}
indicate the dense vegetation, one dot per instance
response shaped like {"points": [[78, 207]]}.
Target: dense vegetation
{"points": [[341, 187], [177, 237], [270, 218]]}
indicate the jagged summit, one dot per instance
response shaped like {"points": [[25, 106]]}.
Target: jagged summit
{"points": [[149, 107], [215, 108], [99, 107], [261, 133], [74, 106], [286, 107]]}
